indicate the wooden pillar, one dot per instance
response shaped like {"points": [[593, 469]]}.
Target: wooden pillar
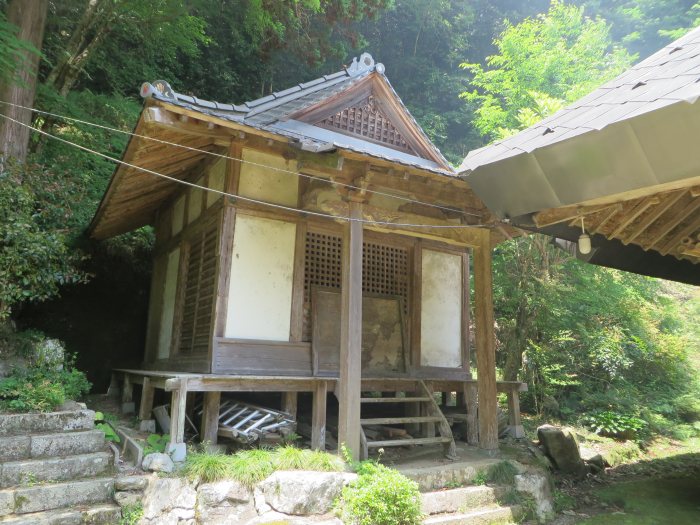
{"points": [[128, 406], [516, 426], [146, 405], [210, 417], [178, 406], [350, 380], [466, 316], [318, 417], [485, 344], [470, 394], [289, 403]]}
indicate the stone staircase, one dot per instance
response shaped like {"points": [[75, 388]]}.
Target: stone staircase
{"points": [[55, 469], [410, 396]]}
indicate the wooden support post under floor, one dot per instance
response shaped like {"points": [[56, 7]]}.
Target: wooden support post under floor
{"points": [[485, 344], [178, 407], [289, 403], [128, 406], [318, 417], [349, 384], [210, 417]]}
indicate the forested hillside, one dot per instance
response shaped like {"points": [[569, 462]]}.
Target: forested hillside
{"points": [[587, 339]]}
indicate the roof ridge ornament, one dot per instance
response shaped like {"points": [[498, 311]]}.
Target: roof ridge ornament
{"points": [[365, 63], [158, 87]]}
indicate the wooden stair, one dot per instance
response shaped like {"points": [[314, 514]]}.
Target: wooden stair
{"points": [[417, 394]]}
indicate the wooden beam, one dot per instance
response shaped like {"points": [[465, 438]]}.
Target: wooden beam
{"points": [[350, 379], [210, 417], [485, 345], [629, 218], [516, 426], [672, 222], [554, 216], [127, 395], [466, 321], [289, 403], [318, 417], [653, 216], [690, 228], [471, 396], [617, 208], [178, 406], [146, 405]]}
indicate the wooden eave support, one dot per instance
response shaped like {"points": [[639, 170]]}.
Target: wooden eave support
{"points": [[628, 219], [671, 223], [652, 217]]}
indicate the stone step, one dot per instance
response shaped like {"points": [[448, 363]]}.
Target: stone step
{"points": [[458, 500], [483, 516], [460, 473], [30, 471], [104, 514], [50, 496], [27, 424], [14, 448]]}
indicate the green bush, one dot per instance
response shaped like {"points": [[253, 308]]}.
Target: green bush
{"points": [[688, 408], [380, 496], [612, 424]]}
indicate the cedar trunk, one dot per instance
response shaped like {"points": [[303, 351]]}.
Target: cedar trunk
{"points": [[30, 17]]}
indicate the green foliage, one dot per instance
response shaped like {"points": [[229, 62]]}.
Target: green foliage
{"points": [[13, 50], [542, 63], [562, 501], [156, 443], [131, 514], [502, 473], [481, 478], [613, 424], [380, 496], [102, 423], [34, 260], [252, 466]]}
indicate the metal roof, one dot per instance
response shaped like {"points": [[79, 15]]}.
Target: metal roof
{"points": [[670, 76], [271, 113]]}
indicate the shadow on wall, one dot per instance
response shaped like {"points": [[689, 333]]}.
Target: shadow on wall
{"points": [[103, 321]]}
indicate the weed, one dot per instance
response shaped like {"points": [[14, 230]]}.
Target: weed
{"points": [[156, 443], [102, 423], [502, 473], [480, 478], [562, 501], [131, 514]]}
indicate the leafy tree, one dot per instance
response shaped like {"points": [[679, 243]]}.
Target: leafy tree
{"points": [[559, 55]]}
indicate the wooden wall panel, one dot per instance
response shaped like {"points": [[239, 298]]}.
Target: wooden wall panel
{"points": [[261, 357]]}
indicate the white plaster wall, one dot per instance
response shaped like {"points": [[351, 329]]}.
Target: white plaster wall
{"points": [[265, 184], [441, 309], [262, 269], [216, 181], [178, 215], [165, 335]]}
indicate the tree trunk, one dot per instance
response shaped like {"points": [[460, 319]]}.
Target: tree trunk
{"points": [[30, 17]]}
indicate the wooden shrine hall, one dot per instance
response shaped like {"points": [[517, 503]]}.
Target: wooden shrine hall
{"points": [[313, 240]]}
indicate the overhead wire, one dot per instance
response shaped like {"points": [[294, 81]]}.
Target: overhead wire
{"points": [[234, 196], [243, 161]]}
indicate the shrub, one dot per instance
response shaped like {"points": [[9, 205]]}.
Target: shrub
{"points": [[503, 473], [688, 408], [156, 443], [612, 424], [380, 496]]}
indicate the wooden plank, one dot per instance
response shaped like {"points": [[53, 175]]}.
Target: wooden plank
{"points": [[408, 442], [630, 217], [466, 314], [652, 217], [350, 377], [671, 223], [399, 420], [485, 345], [260, 357], [394, 399], [146, 405], [210, 417], [178, 406], [318, 417]]}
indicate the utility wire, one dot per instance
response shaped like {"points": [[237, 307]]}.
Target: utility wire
{"points": [[222, 156], [233, 196]]}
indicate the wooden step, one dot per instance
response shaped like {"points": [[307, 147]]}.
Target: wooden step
{"points": [[399, 420], [394, 399], [408, 442]]}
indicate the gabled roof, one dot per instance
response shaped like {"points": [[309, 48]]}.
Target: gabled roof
{"points": [[277, 113]]}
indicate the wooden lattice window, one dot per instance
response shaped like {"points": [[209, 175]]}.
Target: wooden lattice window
{"points": [[199, 294], [385, 270], [367, 120]]}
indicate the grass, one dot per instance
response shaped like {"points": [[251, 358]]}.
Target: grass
{"points": [[502, 473], [252, 466]]}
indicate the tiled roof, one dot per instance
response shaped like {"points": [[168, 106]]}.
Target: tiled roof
{"points": [[670, 76], [270, 113]]}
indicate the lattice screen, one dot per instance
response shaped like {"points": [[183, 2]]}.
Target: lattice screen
{"points": [[367, 120], [199, 294], [385, 270]]}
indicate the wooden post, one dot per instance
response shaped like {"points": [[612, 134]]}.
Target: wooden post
{"points": [[128, 406], [289, 403], [466, 315], [350, 380], [516, 426], [470, 394], [318, 417], [485, 344], [210, 417], [178, 406], [146, 405]]}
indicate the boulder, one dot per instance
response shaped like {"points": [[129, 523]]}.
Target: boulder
{"points": [[158, 462], [593, 459], [561, 447], [224, 503], [301, 493], [169, 501], [538, 486]]}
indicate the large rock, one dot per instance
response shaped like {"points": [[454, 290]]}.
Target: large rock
{"points": [[538, 486], [169, 501], [158, 462], [224, 503], [561, 447], [301, 492]]}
